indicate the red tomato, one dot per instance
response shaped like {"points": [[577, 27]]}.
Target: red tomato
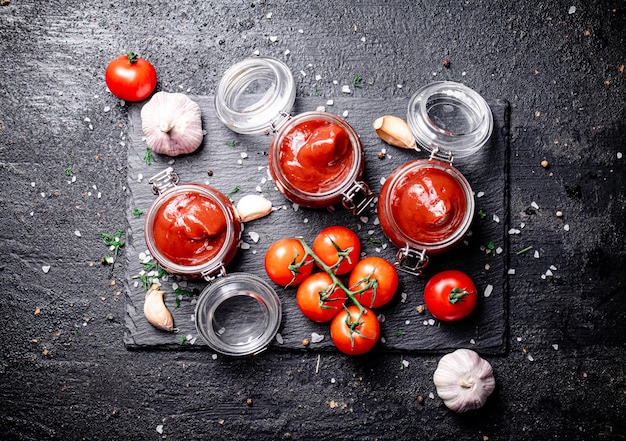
{"points": [[338, 244], [354, 333], [383, 277], [319, 298], [130, 78], [450, 295], [282, 259]]}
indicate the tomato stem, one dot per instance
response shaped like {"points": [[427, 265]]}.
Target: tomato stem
{"points": [[329, 270], [132, 57], [457, 294]]}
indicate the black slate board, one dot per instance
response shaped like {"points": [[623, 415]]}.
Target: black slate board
{"points": [[245, 165]]}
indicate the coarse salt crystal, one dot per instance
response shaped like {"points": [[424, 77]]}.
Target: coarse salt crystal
{"points": [[279, 339], [407, 322], [243, 155], [301, 31], [330, 102], [306, 220], [256, 52], [268, 15], [518, 338], [316, 338], [320, 109], [244, 245], [303, 73], [480, 194], [472, 341], [273, 38], [488, 290], [364, 219], [572, 10], [345, 89], [295, 207], [333, 381], [619, 155], [549, 273], [287, 52], [254, 236], [77, 233], [536, 255], [534, 205], [431, 396], [566, 227], [496, 219], [553, 268], [405, 363], [214, 356], [107, 109], [399, 86], [514, 231], [45, 269], [530, 358], [431, 322], [556, 347], [345, 113], [159, 429], [511, 271], [363, 39], [499, 250]]}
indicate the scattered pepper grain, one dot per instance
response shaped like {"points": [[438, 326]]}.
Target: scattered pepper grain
{"points": [[544, 164]]}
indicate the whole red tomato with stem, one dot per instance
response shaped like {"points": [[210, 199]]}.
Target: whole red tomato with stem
{"points": [[337, 245], [320, 298], [355, 331], [374, 280], [285, 262], [130, 78], [450, 295]]}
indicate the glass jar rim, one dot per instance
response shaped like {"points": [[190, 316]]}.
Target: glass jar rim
{"points": [[462, 107], [213, 265], [248, 340], [435, 246], [341, 188], [252, 94]]}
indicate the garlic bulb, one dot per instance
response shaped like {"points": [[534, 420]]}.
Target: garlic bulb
{"points": [[253, 206], [155, 310], [172, 124], [395, 131], [463, 380]]}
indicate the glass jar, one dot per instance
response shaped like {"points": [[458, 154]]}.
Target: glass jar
{"points": [[316, 158], [426, 206], [191, 230], [238, 315]]}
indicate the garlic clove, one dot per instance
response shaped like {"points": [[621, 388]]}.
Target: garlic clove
{"points": [[172, 124], [253, 206], [395, 131], [155, 310]]}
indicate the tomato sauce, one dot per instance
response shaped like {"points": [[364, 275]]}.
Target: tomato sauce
{"points": [[428, 205], [189, 229], [316, 156]]}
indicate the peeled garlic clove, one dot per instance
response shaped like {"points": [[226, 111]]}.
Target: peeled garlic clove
{"points": [[253, 206], [172, 124], [395, 131], [155, 310]]}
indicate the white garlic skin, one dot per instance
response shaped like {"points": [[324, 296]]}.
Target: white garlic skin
{"points": [[155, 310], [464, 380], [253, 206], [172, 124]]}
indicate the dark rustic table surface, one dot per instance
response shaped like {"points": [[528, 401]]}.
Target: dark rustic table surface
{"points": [[69, 369]]}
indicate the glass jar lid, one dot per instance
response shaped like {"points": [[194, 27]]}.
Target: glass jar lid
{"points": [[238, 314], [253, 93], [449, 119]]}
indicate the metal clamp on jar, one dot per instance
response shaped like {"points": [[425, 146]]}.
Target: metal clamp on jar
{"points": [[315, 158], [426, 206], [193, 231]]}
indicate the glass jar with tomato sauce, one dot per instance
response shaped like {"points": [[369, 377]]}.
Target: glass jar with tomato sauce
{"points": [[193, 231], [426, 206], [315, 158]]}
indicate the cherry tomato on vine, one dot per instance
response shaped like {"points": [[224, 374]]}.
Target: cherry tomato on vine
{"points": [[319, 298], [354, 333], [338, 244], [383, 277], [130, 78], [450, 295], [282, 262]]}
